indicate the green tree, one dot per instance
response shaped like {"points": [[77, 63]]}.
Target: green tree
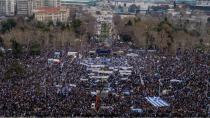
{"points": [[50, 23], [165, 29], [8, 25], [17, 48], [14, 72], [126, 37], [137, 19], [35, 48], [200, 46], [1, 42], [1, 45], [194, 33], [149, 40], [75, 24], [31, 18], [42, 26], [129, 23], [208, 20], [61, 25], [1, 55]]}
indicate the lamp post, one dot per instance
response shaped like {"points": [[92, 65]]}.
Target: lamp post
{"points": [[159, 79], [159, 86], [207, 90]]}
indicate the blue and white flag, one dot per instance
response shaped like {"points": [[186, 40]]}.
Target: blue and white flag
{"points": [[157, 102]]}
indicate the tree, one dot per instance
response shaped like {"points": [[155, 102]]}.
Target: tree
{"points": [[76, 25], [1, 42], [200, 46], [8, 25], [88, 24], [14, 72], [116, 19], [149, 40], [42, 26], [50, 23], [165, 31], [132, 8], [194, 33], [31, 18], [1, 54], [120, 9], [129, 23], [126, 37], [17, 48], [136, 20], [208, 20], [35, 48], [1, 45], [126, 29]]}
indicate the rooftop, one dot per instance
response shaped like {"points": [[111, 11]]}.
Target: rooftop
{"points": [[77, 1], [48, 10]]}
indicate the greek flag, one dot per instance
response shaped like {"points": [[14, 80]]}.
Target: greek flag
{"points": [[157, 101]]}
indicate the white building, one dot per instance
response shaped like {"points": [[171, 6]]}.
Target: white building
{"points": [[11, 6], [7, 7], [2, 7], [37, 3], [54, 14], [23, 7], [51, 3]]}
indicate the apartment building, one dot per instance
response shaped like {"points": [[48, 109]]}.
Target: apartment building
{"points": [[51, 3], [37, 3], [23, 7], [7, 7]]}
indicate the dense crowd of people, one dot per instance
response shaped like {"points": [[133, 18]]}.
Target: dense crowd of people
{"points": [[38, 88]]}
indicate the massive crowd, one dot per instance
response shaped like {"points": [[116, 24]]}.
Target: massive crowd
{"points": [[58, 90]]}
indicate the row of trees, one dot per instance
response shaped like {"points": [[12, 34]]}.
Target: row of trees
{"points": [[14, 73], [151, 33], [7, 25], [18, 49], [33, 37]]}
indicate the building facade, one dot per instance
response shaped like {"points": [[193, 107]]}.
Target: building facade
{"points": [[7, 7], [23, 8], [78, 2], [54, 14], [2, 7], [11, 8], [37, 3], [51, 3]]}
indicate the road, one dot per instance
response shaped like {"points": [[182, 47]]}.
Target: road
{"points": [[104, 17]]}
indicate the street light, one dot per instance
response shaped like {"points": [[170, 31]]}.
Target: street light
{"points": [[159, 84], [159, 78]]}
